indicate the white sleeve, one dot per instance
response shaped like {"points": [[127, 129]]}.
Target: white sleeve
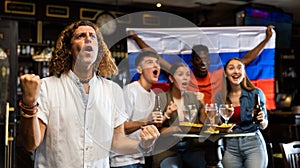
{"points": [[119, 105], [43, 111], [129, 97]]}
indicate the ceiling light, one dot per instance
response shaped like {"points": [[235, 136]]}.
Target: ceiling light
{"points": [[158, 4]]}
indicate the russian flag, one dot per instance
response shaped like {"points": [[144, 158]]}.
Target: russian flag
{"points": [[175, 44]]}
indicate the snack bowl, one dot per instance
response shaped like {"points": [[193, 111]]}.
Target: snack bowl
{"points": [[189, 127], [225, 127], [211, 130]]}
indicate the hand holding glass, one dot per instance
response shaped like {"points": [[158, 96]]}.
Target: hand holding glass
{"points": [[226, 111]]}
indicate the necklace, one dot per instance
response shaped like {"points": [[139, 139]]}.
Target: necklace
{"points": [[84, 81]]}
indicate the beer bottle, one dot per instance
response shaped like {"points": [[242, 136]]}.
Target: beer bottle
{"points": [[157, 102], [256, 109], [157, 113]]}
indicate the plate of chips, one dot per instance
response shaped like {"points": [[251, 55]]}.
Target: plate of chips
{"points": [[225, 127], [190, 127], [211, 130]]}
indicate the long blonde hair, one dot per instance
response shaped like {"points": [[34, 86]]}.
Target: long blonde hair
{"points": [[61, 60]]}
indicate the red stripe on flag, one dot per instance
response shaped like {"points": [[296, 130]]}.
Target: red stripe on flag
{"points": [[268, 87]]}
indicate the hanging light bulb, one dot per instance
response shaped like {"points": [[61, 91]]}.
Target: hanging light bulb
{"points": [[158, 4]]}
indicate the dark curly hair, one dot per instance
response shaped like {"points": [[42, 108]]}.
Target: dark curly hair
{"points": [[61, 60]]}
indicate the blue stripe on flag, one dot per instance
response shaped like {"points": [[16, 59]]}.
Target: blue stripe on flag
{"points": [[261, 68]]}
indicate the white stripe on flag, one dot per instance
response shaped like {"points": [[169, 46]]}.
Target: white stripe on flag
{"points": [[217, 39]]}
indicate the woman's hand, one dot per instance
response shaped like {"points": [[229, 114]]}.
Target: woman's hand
{"points": [[172, 107], [200, 97], [263, 123]]}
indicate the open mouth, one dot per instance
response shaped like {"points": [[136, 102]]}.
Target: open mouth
{"points": [[155, 72], [184, 83], [88, 48], [235, 76], [202, 67]]}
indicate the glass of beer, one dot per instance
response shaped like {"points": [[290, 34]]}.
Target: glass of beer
{"points": [[211, 111]]}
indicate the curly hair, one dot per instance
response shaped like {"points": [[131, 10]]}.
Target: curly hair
{"points": [[61, 60]]}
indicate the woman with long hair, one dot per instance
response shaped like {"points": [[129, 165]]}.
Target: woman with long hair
{"points": [[248, 151], [176, 152]]}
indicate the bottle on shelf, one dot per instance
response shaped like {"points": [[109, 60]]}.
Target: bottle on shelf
{"points": [[27, 50], [18, 49], [26, 70], [20, 73], [32, 51], [23, 50], [256, 109], [45, 69]]}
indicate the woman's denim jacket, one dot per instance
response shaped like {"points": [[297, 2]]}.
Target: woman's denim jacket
{"points": [[247, 105]]}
